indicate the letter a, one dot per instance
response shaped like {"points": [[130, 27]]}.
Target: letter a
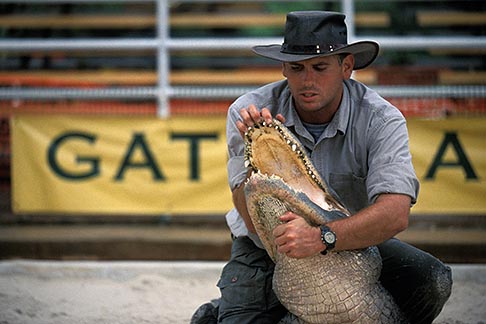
{"points": [[451, 138]]}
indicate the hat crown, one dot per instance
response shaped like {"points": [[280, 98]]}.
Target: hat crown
{"points": [[311, 28], [310, 34]]}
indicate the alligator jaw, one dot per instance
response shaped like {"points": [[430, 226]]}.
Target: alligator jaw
{"points": [[271, 149]]}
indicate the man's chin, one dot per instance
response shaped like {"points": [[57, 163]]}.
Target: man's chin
{"points": [[308, 106]]}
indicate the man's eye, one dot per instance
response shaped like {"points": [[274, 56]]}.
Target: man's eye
{"points": [[296, 67]]}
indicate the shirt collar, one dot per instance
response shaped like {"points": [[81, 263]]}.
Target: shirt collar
{"points": [[339, 122], [293, 121]]}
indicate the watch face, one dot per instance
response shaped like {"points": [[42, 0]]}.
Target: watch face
{"points": [[329, 237]]}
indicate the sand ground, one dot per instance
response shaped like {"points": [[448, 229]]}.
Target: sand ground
{"points": [[59, 292]]}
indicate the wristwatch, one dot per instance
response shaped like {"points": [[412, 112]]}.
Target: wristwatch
{"points": [[328, 237]]}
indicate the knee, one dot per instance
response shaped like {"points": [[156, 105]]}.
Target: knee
{"points": [[435, 291], [432, 291], [440, 286]]}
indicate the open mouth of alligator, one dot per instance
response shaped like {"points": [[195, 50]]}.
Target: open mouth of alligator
{"points": [[272, 150]]}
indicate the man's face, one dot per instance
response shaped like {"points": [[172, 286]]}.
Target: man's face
{"points": [[317, 85]]}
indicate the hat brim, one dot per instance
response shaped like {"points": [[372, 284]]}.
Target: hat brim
{"points": [[364, 53]]}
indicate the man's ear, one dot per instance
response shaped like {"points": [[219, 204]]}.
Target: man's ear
{"points": [[283, 69], [347, 66]]}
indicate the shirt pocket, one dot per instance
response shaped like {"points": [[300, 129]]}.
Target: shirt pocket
{"points": [[351, 190]]}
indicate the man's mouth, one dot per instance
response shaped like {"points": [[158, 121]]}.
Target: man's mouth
{"points": [[308, 95]]}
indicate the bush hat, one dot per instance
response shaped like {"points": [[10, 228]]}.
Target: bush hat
{"points": [[310, 34]]}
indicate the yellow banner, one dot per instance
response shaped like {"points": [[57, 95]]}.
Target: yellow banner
{"points": [[449, 156], [120, 165], [114, 165]]}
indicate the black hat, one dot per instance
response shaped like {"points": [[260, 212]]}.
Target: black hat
{"points": [[310, 34]]}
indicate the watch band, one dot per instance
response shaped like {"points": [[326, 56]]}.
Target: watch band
{"points": [[328, 238]]}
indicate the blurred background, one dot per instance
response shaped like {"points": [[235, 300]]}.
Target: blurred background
{"points": [[105, 62]]}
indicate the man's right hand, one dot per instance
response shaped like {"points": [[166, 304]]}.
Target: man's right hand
{"points": [[251, 116]]}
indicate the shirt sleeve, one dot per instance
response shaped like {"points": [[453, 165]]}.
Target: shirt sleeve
{"points": [[390, 168], [236, 164]]}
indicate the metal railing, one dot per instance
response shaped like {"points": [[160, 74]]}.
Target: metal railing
{"points": [[163, 44]]}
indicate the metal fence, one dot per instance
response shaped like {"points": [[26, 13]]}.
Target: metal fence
{"points": [[163, 43]]}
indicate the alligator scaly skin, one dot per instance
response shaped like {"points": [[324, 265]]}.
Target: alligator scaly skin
{"points": [[340, 287]]}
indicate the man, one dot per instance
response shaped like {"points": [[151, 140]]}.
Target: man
{"points": [[359, 144]]}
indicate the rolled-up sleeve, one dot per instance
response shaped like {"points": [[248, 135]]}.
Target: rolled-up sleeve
{"points": [[389, 159], [236, 164]]}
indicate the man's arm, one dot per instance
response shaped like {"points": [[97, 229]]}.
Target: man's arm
{"points": [[373, 225], [377, 223], [239, 201]]}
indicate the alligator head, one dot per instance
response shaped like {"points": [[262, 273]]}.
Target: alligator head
{"points": [[284, 173]]}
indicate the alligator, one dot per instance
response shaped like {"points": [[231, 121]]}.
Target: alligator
{"points": [[339, 287]]}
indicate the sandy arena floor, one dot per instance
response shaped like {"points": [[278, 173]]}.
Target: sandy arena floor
{"points": [[53, 292]]}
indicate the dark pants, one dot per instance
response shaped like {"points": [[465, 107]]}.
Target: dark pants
{"points": [[419, 282]]}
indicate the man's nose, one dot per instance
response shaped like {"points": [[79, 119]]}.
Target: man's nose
{"points": [[308, 77]]}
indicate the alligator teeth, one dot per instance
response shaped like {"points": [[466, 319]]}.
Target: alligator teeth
{"points": [[247, 163]]}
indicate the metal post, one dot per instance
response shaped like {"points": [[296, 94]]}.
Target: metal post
{"points": [[163, 64], [348, 10]]}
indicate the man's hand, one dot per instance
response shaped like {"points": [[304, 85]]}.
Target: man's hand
{"points": [[251, 115], [296, 238]]}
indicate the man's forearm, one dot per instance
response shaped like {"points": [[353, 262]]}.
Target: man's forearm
{"points": [[239, 201], [373, 225]]}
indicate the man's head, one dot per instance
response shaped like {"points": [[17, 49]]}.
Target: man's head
{"points": [[316, 85], [310, 34]]}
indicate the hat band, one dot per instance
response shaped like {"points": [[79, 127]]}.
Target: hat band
{"points": [[309, 49]]}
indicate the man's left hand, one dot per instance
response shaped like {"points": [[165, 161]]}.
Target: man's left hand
{"points": [[296, 238]]}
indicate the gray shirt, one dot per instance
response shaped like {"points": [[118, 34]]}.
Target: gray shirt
{"points": [[362, 153]]}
